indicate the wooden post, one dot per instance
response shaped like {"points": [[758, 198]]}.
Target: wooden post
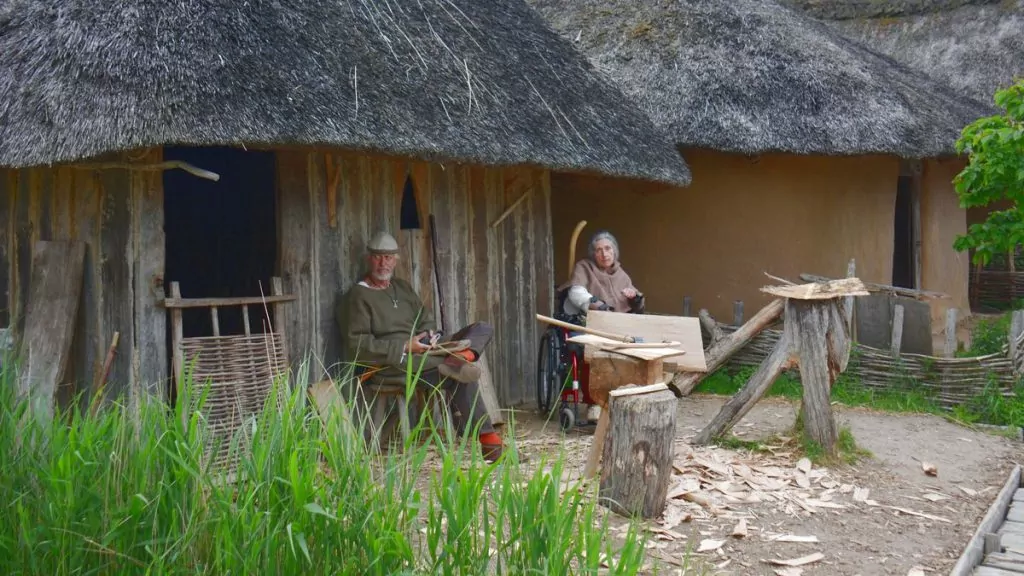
{"points": [[896, 341], [686, 305], [722, 348], [1014, 343], [639, 450], [812, 323], [741, 403], [737, 313], [815, 331], [851, 272], [951, 339]]}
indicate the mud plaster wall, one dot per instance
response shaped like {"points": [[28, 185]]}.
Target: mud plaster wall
{"points": [[942, 220], [741, 217]]}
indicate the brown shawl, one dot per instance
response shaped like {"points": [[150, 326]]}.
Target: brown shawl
{"points": [[607, 285]]}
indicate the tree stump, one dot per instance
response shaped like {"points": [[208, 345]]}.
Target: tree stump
{"points": [[638, 452]]}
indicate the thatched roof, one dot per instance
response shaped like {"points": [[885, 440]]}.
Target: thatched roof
{"points": [[470, 80], [977, 46], [753, 76]]}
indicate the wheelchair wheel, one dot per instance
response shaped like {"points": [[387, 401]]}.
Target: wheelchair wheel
{"points": [[549, 383], [567, 418]]}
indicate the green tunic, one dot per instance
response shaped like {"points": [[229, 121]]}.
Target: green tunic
{"points": [[376, 329]]}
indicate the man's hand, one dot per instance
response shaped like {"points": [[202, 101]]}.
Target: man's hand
{"points": [[417, 347], [629, 293]]}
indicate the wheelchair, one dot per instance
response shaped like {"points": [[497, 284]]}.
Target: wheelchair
{"points": [[562, 374]]}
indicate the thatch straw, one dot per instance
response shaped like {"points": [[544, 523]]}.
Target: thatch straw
{"points": [[752, 76], [976, 46], [482, 82]]}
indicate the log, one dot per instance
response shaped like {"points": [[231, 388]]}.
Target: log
{"points": [[720, 352], [741, 403], [896, 340], [710, 325], [638, 454], [820, 360]]}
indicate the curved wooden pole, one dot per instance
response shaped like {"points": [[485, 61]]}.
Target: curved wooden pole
{"points": [[572, 245]]}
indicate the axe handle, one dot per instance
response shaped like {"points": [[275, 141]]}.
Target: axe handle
{"points": [[585, 330]]}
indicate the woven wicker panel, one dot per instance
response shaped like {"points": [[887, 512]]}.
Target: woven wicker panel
{"points": [[240, 372]]}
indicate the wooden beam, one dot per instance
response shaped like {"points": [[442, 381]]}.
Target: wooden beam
{"points": [[151, 166], [896, 341], [173, 302]]}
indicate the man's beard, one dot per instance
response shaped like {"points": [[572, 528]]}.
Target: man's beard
{"points": [[385, 277]]}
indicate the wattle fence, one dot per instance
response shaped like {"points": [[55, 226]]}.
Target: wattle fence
{"points": [[950, 381]]}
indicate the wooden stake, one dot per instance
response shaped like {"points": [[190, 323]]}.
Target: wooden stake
{"points": [[896, 341], [585, 330], [152, 166], [572, 246], [737, 313], [741, 403], [951, 339], [100, 386]]}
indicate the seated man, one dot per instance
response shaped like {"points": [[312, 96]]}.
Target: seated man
{"points": [[382, 314]]}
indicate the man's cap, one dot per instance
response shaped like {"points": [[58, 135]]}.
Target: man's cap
{"points": [[382, 243]]}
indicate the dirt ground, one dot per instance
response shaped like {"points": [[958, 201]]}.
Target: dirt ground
{"points": [[882, 515]]}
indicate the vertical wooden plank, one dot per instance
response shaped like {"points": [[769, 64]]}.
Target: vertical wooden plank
{"points": [[498, 293], [479, 224], [116, 289], [460, 285], [421, 181], [7, 225], [330, 275], [511, 290], [22, 250], [295, 217], [149, 351], [42, 209], [89, 348], [356, 210], [951, 339], [441, 205]]}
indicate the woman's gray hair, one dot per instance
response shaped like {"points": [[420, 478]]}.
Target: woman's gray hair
{"points": [[603, 235]]}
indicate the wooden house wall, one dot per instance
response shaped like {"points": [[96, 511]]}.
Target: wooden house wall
{"points": [[500, 275], [118, 215]]}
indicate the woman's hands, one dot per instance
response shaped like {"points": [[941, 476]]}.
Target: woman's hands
{"points": [[629, 293]]}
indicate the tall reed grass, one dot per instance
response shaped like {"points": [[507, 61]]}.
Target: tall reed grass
{"points": [[126, 492]]}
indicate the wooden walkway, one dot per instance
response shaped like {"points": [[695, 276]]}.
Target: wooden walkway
{"points": [[1004, 554], [997, 547]]}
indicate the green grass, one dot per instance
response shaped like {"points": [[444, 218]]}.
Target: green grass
{"points": [[125, 492]]}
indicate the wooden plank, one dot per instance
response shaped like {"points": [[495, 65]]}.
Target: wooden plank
{"points": [[329, 274], [7, 225], [295, 235], [226, 302], [974, 551], [49, 321], [1018, 495], [1011, 526], [1012, 541], [682, 329], [819, 290], [873, 287], [897, 331], [89, 349], [150, 355], [116, 293], [1015, 514], [21, 253], [987, 570]]}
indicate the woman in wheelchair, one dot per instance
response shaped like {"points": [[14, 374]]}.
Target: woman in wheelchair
{"points": [[597, 283]]}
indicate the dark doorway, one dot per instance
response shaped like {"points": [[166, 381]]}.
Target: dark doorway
{"points": [[221, 237], [903, 235]]}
